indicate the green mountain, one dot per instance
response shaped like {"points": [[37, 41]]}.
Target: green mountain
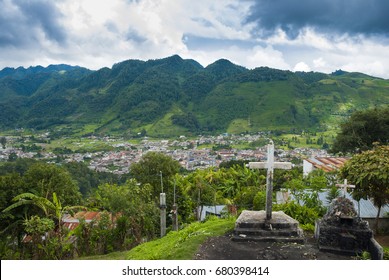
{"points": [[173, 96]]}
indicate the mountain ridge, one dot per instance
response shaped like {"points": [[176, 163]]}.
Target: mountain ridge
{"points": [[172, 96]]}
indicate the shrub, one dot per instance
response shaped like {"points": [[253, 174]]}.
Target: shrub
{"points": [[303, 214]]}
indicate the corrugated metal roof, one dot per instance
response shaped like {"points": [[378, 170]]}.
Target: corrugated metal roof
{"points": [[327, 163], [87, 215], [71, 222], [71, 225], [366, 207]]}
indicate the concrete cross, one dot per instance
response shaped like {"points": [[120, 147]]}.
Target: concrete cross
{"points": [[344, 187], [270, 165]]}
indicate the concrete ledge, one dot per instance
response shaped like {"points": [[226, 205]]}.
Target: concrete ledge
{"points": [[375, 249], [339, 251], [257, 219], [242, 238], [253, 226]]}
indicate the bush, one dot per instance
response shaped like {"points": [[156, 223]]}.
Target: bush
{"points": [[259, 201], [303, 214]]}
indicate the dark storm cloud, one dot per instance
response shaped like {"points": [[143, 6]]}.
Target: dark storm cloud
{"points": [[367, 17], [22, 21]]}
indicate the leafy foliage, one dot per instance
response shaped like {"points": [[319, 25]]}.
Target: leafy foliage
{"points": [[154, 167], [302, 213], [46, 179], [133, 205], [369, 171], [362, 130]]}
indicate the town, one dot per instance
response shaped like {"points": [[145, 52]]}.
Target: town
{"points": [[192, 153]]}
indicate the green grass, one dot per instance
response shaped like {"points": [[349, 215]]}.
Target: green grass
{"points": [[238, 126], [181, 245], [112, 256], [164, 126], [77, 143]]}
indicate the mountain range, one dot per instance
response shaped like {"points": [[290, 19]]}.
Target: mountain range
{"points": [[174, 96]]}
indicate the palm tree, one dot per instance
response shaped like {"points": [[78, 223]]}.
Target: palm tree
{"points": [[51, 209]]}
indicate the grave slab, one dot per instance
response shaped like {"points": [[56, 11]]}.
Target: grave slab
{"points": [[254, 226]]}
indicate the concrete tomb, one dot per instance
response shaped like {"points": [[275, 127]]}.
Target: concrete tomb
{"points": [[342, 231]]}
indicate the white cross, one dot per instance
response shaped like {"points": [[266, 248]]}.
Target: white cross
{"points": [[344, 187], [270, 165]]}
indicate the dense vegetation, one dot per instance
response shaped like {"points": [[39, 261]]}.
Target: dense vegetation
{"points": [[363, 130], [173, 96], [36, 196]]}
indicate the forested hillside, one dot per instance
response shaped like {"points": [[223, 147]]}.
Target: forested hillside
{"points": [[173, 96]]}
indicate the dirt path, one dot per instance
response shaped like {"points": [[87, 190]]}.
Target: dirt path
{"points": [[223, 248]]}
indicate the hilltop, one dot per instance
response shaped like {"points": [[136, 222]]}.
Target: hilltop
{"points": [[174, 96]]}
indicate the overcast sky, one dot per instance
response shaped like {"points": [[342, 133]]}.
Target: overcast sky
{"points": [[303, 35]]}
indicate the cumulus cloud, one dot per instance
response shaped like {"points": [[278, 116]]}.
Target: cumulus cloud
{"points": [[301, 66], [287, 34]]}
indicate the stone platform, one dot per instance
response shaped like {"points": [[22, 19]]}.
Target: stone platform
{"points": [[253, 226]]}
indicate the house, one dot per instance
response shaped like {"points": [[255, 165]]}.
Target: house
{"points": [[324, 163], [71, 222], [215, 210]]}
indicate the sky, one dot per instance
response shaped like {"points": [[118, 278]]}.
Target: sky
{"points": [[296, 35]]}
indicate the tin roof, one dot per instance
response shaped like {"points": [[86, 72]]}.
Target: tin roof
{"points": [[71, 222], [365, 207], [327, 163]]}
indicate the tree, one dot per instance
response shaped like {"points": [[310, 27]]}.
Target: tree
{"points": [[133, 207], [20, 166], [44, 179], [152, 167], [37, 226], [86, 178], [363, 129], [51, 208], [369, 171], [201, 191]]}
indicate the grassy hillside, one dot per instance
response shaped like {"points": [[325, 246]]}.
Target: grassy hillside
{"points": [[183, 244]]}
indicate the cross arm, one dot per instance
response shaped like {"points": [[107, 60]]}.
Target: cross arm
{"points": [[264, 165]]}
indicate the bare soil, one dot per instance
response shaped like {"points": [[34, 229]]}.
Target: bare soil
{"points": [[223, 248]]}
